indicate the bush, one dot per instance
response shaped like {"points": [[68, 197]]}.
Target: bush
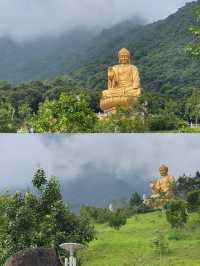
{"points": [[193, 199], [177, 234], [163, 121], [176, 213], [95, 215], [118, 219], [68, 114], [135, 200]]}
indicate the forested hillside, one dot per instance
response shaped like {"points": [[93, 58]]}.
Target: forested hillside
{"points": [[49, 56], [158, 50], [41, 58], [77, 62]]}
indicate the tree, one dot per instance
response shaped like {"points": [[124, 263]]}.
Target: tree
{"points": [[118, 219], [176, 213], [193, 199], [186, 184], [194, 48], [96, 215], [7, 117], [125, 120], [193, 106], [24, 115], [165, 119], [39, 220], [68, 114], [135, 200]]}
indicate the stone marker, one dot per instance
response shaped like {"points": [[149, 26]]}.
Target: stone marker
{"points": [[34, 257]]}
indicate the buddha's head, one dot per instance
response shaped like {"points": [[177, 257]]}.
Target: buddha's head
{"points": [[124, 56], [163, 170]]}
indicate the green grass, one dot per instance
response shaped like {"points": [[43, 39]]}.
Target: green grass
{"points": [[133, 244]]}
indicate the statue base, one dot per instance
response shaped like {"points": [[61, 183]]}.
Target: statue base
{"points": [[110, 104], [157, 203]]}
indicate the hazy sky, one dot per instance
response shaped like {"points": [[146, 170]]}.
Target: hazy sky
{"points": [[25, 19], [70, 157]]}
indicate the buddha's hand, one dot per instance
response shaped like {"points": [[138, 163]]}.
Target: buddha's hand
{"points": [[111, 73]]}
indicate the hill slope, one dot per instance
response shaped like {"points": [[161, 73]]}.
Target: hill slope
{"points": [[100, 190], [48, 56], [41, 58], [158, 49], [132, 245]]}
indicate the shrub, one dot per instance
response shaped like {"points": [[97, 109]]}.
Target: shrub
{"points": [[176, 213], [118, 219], [163, 121], [193, 199]]}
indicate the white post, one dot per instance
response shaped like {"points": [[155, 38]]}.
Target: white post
{"points": [[71, 261], [66, 262]]}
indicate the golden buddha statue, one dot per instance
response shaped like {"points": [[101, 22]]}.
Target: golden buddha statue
{"points": [[162, 188], [123, 84]]}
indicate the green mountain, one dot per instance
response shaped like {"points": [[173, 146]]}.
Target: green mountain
{"points": [[100, 190], [48, 56], [158, 50], [42, 58], [78, 60]]}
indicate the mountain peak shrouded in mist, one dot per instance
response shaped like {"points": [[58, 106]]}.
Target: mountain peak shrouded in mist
{"points": [[51, 55], [27, 20]]}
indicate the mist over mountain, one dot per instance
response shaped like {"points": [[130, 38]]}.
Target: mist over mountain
{"points": [[96, 169], [81, 57], [23, 20], [51, 55], [43, 57]]}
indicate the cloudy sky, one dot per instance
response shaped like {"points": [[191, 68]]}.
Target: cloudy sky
{"points": [[70, 157], [27, 19]]}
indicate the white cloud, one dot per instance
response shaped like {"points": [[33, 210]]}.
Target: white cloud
{"points": [[29, 19], [122, 156]]}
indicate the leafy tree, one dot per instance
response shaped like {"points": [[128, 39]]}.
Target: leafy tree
{"points": [[125, 120], [135, 200], [193, 199], [194, 48], [165, 119], [7, 117], [68, 114], [176, 213], [118, 219], [193, 106], [39, 179], [96, 215], [41, 219], [186, 184], [24, 115]]}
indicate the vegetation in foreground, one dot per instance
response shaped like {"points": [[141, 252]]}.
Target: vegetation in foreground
{"points": [[138, 235], [134, 244], [40, 219], [125, 236]]}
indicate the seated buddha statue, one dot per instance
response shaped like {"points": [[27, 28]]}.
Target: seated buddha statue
{"points": [[162, 188], [123, 84]]}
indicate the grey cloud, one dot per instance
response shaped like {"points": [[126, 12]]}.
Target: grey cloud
{"points": [[29, 19], [69, 157]]}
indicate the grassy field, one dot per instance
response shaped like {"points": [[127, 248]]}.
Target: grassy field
{"points": [[133, 244]]}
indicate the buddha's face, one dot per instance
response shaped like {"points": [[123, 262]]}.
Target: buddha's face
{"points": [[124, 59], [163, 171]]}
